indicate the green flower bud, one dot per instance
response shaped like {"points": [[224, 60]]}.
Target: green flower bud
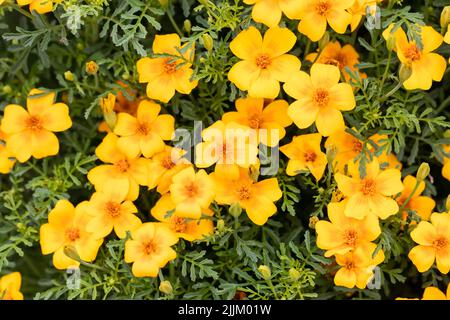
{"points": [[423, 172], [166, 287], [6, 89], [265, 271], [235, 210], [404, 73], [208, 42], [294, 274], [68, 75], [187, 25]]}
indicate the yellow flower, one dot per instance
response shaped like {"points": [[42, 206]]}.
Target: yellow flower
{"points": [[91, 67], [357, 267], [359, 10], [256, 198], [422, 205], [191, 192], [107, 104], [6, 163], [433, 293], [269, 11], [434, 243], [40, 6], [264, 61], [121, 172], [164, 75], [229, 146], [269, 122], [305, 155], [343, 234], [164, 165], [144, 133], [10, 286], [446, 166], [316, 13], [30, 132], [320, 98], [66, 227], [109, 210], [372, 193], [150, 249], [188, 229], [447, 36], [425, 65]]}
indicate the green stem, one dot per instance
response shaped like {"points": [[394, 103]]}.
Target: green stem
{"points": [[386, 70], [405, 203], [174, 24]]}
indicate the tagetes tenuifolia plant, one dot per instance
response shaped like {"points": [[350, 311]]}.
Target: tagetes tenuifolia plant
{"points": [[256, 149]]}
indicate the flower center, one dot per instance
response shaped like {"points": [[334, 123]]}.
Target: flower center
{"points": [[73, 234], [170, 66], [263, 61], [149, 247], [34, 123], [368, 187], [350, 237], [167, 163], [191, 189], [412, 53], [143, 129], [357, 146], [440, 243], [255, 121], [179, 224], [123, 165], [322, 7], [349, 265], [334, 62], [310, 156], [112, 208], [321, 97], [243, 193]]}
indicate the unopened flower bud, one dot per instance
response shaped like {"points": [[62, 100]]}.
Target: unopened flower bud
{"points": [[390, 42], [7, 89], [445, 17], [404, 73], [68, 75], [164, 3], [423, 171], [91, 67], [235, 210], [208, 42], [265, 271], [166, 287], [71, 252], [324, 40], [187, 25], [294, 274], [107, 104], [312, 222], [221, 225]]}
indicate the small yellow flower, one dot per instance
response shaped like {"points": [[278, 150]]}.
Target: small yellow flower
{"points": [[433, 293], [320, 98], [40, 6], [422, 205], [91, 67], [69, 76], [164, 75], [269, 12], [30, 132], [150, 249], [264, 61], [66, 227], [433, 240], [10, 286], [305, 155], [6, 163], [446, 167]]}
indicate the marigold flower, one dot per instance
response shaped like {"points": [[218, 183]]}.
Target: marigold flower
{"points": [[30, 132], [269, 12], [434, 243], [191, 192], [320, 98], [433, 293], [150, 249], [6, 163], [343, 234], [121, 172], [316, 13], [422, 205], [257, 198], [164, 75], [305, 155], [425, 65], [370, 194], [10, 286], [359, 10], [40, 6], [268, 122], [446, 167], [146, 132], [66, 227], [188, 229], [264, 61], [91, 67]]}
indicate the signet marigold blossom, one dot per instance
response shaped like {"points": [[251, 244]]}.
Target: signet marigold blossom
{"points": [[10, 286], [30, 132], [264, 61], [269, 12], [40, 6], [320, 98], [144, 133], [256, 198], [433, 293], [121, 171], [6, 161], [304, 154], [149, 249], [425, 65], [359, 9], [166, 74], [188, 229], [433, 239], [66, 227], [446, 167], [268, 122], [421, 205], [343, 234], [372, 193]]}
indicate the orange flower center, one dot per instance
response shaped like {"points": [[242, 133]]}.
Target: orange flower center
{"points": [[170, 66], [112, 208], [322, 7], [34, 123], [143, 129], [321, 97], [440, 243], [73, 234], [179, 224], [368, 187], [255, 121], [149, 247], [191, 189], [350, 237], [243, 193], [357, 146], [310, 156], [167, 163], [412, 53], [263, 61], [349, 265]]}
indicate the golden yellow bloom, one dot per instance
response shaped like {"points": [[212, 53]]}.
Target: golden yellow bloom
{"points": [[109, 210], [164, 75], [342, 234], [40, 6], [269, 12], [269, 122], [446, 166], [357, 267], [433, 293], [150, 249], [425, 65], [30, 132], [188, 229], [6, 161], [434, 243], [256, 198], [121, 172], [229, 146], [372, 193], [107, 104], [320, 98], [144, 133], [10, 286], [264, 61], [66, 227], [315, 14], [422, 205], [447, 36], [191, 192], [305, 155], [359, 10]]}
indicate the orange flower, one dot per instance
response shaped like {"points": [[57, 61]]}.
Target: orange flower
{"points": [[422, 205], [40, 6], [269, 12], [433, 293], [10, 286]]}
